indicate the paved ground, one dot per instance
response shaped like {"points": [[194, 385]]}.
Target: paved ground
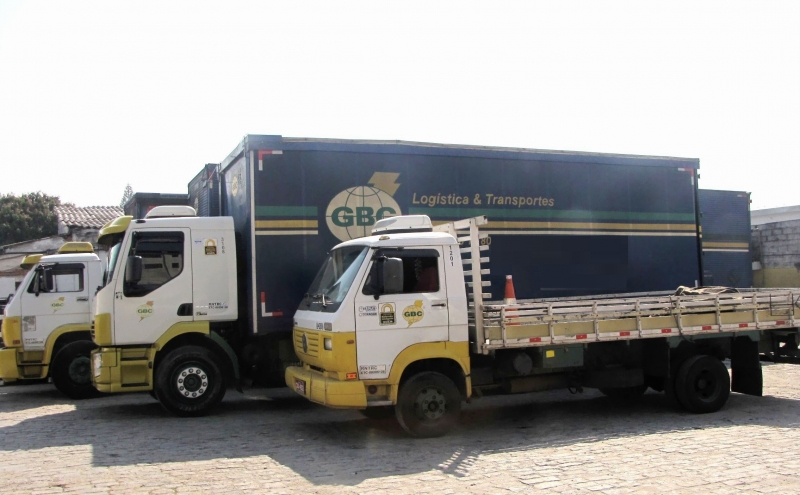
{"points": [[271, 442]]}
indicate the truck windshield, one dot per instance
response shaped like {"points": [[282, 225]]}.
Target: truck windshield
{"points": [[113, 255], [334, 279]]}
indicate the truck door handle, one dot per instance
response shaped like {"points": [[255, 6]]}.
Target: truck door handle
{"points": [[185, 309], [440, 305], [83, 299]]}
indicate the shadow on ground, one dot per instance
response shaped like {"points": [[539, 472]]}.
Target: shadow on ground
{"points": [[341, 447]]}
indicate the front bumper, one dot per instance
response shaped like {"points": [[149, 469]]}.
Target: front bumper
{"points": [[122, 370], [8, 365], [331, 392]]}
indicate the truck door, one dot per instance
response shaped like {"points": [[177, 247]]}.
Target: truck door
{"points": [[145, 309], [58, 294], [387, 326]]}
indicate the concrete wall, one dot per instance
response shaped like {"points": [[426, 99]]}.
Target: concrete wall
{"points": [[776, 254]]}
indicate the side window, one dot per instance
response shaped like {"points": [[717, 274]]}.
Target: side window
{"points": [[162, 260], [60, 277], [420, 272]]}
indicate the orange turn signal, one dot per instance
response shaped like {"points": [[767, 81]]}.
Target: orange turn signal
{"points": [[352, 376]]}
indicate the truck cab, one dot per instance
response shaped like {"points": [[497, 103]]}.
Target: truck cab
{"points": [[47, 325], [168, 297], [381, 321]]}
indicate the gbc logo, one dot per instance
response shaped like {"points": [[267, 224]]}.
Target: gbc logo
{"points": [[363, 216], [353, 212]]}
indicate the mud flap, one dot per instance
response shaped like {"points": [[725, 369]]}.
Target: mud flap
{"points": [[746, 375]]}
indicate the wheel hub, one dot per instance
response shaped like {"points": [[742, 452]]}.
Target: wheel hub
{"points": [[192, 382], [430, 403], [79, 370], [706, 386]]}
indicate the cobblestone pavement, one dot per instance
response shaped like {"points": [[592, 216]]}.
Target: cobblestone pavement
{"points": [[271, 442]]}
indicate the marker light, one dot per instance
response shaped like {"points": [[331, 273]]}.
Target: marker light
{"points": [[327, 344], [351, 376]]}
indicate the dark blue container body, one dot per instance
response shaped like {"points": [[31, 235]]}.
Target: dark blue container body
{"points": [[204, 191], [725, 222], [562, 223]]}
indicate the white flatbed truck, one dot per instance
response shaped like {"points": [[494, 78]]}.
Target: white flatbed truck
{"points": [[393, 324]]}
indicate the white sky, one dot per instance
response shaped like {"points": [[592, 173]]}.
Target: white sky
{"points": [[94, 95]]}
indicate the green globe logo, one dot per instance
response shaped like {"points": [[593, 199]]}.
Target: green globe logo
{"points": [[353, 212]]}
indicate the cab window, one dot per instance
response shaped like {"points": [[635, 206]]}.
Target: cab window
{"points": [[420, 271], [61, 277], [162, 260]]}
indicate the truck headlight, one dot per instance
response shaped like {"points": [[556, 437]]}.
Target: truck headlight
{"points": [[327, 343], [97, 362]]}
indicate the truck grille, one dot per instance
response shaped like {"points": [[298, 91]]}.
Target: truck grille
{"points": [[311, 345]]}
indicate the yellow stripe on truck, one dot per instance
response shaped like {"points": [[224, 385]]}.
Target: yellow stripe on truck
{"points": [[332, 389], [8, 365], [12, 331], [102, 329]]}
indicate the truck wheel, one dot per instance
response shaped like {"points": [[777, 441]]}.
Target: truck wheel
{"points": [[625, 393], [703, 384], [71, 370], [378, 412], [189, 382], [428, 405]]}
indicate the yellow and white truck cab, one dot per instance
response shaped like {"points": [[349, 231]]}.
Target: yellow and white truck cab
{"points": [[47, 324], [381, 325], [169, 291]]}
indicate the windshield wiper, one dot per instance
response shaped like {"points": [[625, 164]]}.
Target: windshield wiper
{"points": [[321, 295]]}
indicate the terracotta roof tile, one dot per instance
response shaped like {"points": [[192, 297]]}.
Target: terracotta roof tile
{"points": [[92, 217]]}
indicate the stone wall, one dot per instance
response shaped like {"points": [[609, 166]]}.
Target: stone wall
{"points": [[776, 254]]}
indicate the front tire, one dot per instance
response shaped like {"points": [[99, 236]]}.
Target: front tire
{"points": [[703, 384], [190, 381], [428, 405], [71, 370]]}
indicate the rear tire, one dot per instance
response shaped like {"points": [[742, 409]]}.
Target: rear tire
{"points": [[71, 370], [428, 405], [703, 384], [190, 381]]}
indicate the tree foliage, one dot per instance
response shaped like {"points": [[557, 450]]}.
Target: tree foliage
{"points": [[126, 196], [27, 217]]}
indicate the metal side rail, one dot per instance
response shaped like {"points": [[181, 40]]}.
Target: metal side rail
{"points": [[539, 323]]}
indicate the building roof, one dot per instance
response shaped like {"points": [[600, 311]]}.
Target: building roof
{"points": [[92, 217], [772, 215]]}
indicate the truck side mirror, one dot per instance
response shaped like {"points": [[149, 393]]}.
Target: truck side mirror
{"points": [[392, 276], [47, 280], [43, 281], [133, 270]]}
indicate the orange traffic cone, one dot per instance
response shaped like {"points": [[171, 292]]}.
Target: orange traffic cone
{"points": [[510, 298]]}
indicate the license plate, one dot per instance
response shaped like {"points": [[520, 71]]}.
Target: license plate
{"points": [[300, 386]]}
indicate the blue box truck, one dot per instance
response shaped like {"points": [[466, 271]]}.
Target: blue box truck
{"points": [[574, 223], [725, 230]]}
